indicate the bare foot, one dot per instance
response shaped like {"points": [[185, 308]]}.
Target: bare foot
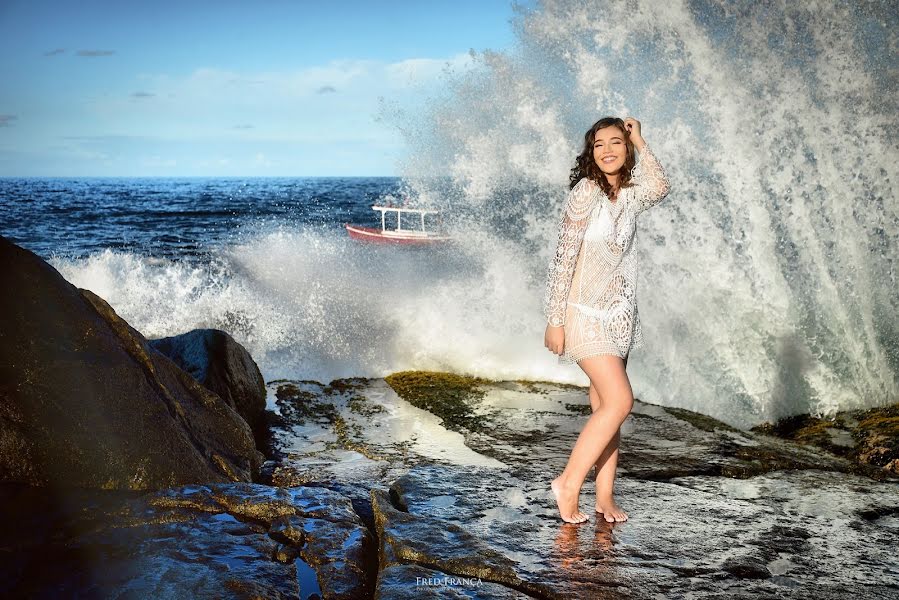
{"points": [[611, 511], [566, 499]]}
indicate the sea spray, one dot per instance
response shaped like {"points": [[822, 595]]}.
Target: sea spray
{"points": [[769, 274]]}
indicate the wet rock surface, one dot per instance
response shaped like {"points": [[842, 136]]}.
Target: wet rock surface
{"points": [[467, 512], [419, 485], [235, 540], [369, 495]]}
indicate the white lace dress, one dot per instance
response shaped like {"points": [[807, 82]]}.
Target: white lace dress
{"points": [[591, 288]]}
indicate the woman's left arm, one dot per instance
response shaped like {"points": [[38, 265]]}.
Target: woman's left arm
{"points": [[651, 181]]}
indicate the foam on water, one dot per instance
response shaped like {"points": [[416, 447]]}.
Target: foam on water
{"points": [[309, 304]]}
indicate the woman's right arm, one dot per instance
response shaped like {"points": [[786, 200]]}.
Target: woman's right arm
{"points": [[650, 179], [572, 225]]}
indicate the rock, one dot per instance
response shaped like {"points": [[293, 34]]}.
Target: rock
{"points": [[86, 401], [870, 437], [415, 582], [205, 541], [463, 509], [225, 368], [444, 546]]}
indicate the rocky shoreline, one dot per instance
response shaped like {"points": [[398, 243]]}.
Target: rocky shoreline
{"points": [[169, 468]]}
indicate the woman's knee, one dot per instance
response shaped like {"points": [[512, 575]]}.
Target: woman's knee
{"points": [[621, 405], [615, 406]]}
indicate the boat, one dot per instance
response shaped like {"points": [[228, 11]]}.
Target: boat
{"points": [[419, 235]]}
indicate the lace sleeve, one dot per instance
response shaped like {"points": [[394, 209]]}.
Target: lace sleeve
{"points": [[572, 225], [650, 180]]}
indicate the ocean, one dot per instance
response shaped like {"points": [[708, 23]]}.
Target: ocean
{"points": [[179, 219]]}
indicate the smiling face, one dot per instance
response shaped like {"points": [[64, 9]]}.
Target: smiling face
{"points": [[609, 149]]}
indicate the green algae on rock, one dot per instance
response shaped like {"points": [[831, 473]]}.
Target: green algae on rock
{"points": [[698, 420], [299, 405], [877, 436], [340, 386], [869, 436], [446, 395]]}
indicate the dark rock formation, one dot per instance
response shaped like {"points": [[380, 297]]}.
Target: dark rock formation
{"points": [[85, 401], [424, 541], [203, 541], [217, 361]]}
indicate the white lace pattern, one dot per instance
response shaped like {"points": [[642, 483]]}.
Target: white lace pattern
{"points": [[591, 287]]}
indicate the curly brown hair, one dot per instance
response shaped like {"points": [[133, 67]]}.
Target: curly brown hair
{"points": [[586, 166]]}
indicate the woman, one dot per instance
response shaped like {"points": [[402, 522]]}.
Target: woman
{"points": [[591, 301]]}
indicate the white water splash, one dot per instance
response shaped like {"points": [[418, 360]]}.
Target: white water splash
{"points": [[769, 274]]}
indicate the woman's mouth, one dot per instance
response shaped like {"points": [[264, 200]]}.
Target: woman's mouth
{"points": [[610, 159]]}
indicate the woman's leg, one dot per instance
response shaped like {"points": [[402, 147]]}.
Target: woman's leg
{"points": [[607, 463], [608, 377], [606, 468]]}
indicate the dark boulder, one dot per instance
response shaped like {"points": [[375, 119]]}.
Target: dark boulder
{"points": [[86, 401], [225, 367]]}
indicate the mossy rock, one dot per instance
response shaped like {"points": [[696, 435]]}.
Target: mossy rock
{"points": [[361, 406], [447, 395], [530, 386], [883, 420], [875, 433], [698, 420], [579, 409], [543, 387], [350, 384], [298, 405], [877, 437], [345, 433]]}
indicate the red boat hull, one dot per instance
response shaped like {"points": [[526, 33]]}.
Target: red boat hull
{"points": [[377, 236]]}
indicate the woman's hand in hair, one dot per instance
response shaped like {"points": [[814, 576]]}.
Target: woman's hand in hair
{"points": [[633, 127]]}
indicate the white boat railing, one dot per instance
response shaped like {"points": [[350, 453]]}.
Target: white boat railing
{"points": [[398, 210]]}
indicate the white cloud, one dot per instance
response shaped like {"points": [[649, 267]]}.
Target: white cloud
{"points": [[368, 77], [282, 105], [418, 71]]}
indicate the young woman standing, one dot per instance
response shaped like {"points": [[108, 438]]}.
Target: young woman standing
{"points": [[591, 297]]}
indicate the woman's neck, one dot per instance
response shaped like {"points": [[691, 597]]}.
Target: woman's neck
{"points": [[612, 180]]}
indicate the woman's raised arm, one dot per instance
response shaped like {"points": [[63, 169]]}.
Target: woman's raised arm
{"points": [[650, 179]]}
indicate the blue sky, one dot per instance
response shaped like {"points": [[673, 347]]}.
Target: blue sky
{"points": [[272, 87]]}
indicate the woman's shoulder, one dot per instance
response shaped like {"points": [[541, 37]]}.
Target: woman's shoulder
{"points": [[586, 184]]}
